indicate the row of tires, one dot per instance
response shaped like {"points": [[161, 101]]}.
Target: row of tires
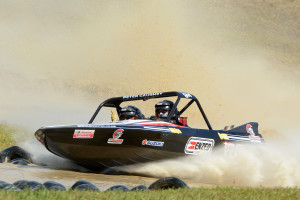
{"points": [[17, 155], [161, 184]]}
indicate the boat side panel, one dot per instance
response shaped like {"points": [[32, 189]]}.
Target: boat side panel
{"points": [[125, 144]]}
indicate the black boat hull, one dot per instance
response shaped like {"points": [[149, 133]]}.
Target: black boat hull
{"points": [[98, 147]]}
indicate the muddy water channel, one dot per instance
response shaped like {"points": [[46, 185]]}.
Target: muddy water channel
{"points": [[11, 173]]}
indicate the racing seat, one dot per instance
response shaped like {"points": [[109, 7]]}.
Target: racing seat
{"points": [[183, 121]]}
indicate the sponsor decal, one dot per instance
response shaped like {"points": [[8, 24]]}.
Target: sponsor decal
{"points": [[95, 126], [196, 145], [156, 123], [142, 95], [85, 134], [223, 136], [116, 137], [175, 130], [152, 143], [187, 95], [251, 132]]}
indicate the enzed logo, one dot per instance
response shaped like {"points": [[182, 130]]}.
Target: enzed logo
{"points": [[116, 135], [196, 145]]}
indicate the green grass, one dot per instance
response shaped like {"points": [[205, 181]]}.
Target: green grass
{"points": [[194, 193], [6, 136]]}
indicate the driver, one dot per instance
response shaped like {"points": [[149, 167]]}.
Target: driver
{"points": [[130, 112], [163, 108]]}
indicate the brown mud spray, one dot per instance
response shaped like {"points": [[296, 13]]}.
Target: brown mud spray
{"points": [[59, 60]]}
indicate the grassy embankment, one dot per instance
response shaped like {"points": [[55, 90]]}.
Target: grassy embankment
{"points": [[6, 137], [195, 193]]}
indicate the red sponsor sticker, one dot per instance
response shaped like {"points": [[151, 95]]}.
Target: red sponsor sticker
{"points": [[85, 134], [115, 139]]}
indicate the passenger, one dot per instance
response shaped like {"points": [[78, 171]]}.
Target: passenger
{"points": [[130, 112]]}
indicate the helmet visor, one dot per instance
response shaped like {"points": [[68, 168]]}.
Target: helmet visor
{"points": [[127, 115], [124, 117], [162, 113]]}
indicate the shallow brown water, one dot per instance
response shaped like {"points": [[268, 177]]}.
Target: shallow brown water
{"points": [[11, 173]]}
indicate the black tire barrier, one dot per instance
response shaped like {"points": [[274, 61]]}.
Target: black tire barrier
{"points": [[31, 185], [12, 188], [80, 182], [140, 188], [3, 184], [161, 184], [14, 152], [19, 161], [22, 184], [118, 188], [168, 183], [52, 185], [89, 187]]}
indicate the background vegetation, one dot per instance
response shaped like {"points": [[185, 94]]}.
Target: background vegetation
{"points": [[6, 135]]}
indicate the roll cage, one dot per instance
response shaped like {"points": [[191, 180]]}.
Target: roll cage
{"points": [[116, 101]]}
